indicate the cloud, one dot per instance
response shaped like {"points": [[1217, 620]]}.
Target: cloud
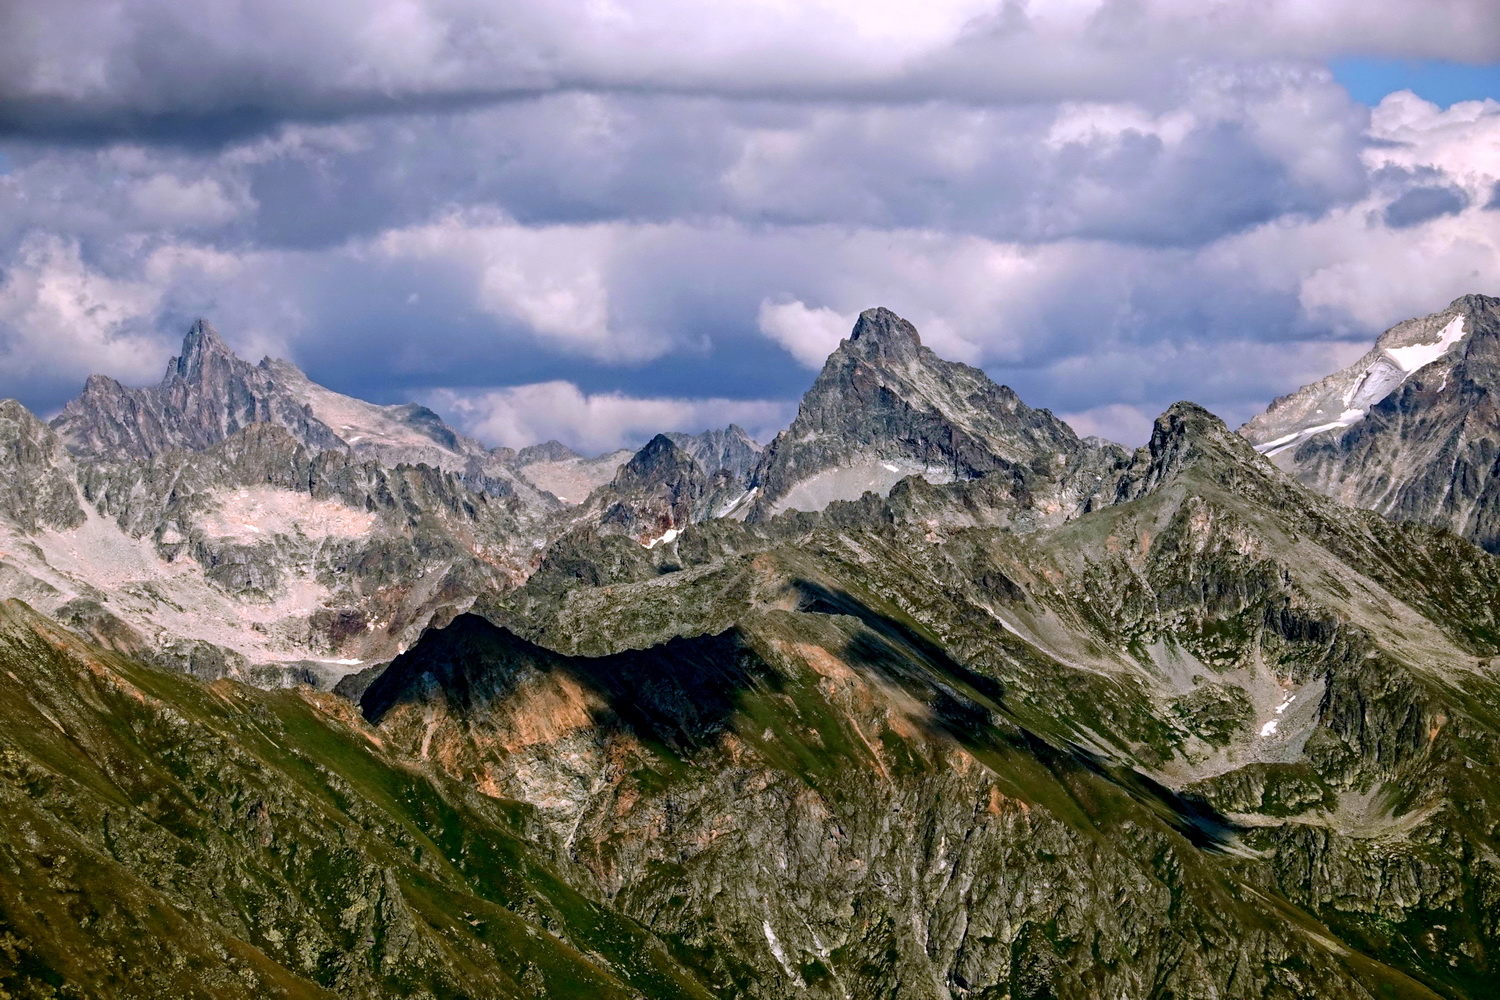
{"points": [[810, 335], [60, 321], [598, 422], [1118, 422], [552, 280], [1109, 205], [1420, 204], [170, 202], [165, 70]]}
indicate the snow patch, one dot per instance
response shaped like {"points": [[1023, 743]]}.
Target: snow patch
{"points": [[1420, 355], [1281, 444], [665, 538], [779, 952], [1391, 369], [1270, 727]]}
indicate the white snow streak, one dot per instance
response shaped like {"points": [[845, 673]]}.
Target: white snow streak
{"points": [[667, 537], [1420, 355], [1270, 727]]}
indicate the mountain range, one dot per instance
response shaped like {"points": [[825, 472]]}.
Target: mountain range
{"points": [[928, 697]]}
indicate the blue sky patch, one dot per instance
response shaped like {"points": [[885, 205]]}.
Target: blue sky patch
{"points": [[1441, 82]]}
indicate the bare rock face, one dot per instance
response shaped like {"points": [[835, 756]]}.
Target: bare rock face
{"points": [[885, 407], [1411, 430], [730, 450], [891, 750], [208, 393], [35, 488], [240, 520], [653, 497], [1009, 716], [559, 470]]}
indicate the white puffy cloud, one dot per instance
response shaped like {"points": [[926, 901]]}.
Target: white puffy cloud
{"points": [[809, 335], [1110, 204], [168, 201], [61, 321], [595, 422]]}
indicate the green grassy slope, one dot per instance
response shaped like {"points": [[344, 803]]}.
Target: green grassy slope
{"points": [[162, 837]]}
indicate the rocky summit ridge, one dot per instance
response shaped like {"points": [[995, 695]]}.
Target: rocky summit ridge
{"points": [[1410, 429], [928, 698], [885, 407]]}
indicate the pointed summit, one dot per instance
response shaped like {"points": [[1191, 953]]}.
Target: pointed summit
{"points": [[1187, 435], [884, 407], [209, 393], [881, 333], [653, 496], [201, 343]]}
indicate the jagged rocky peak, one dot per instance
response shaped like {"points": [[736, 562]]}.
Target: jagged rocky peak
{"points": [[882, 334], [1185, 435], [885, 407], [730, 449], [652, 497], [208, 393], [202, 348], [1469, 325], [1411, 429], [659, 461]]}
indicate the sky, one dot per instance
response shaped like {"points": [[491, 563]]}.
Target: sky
{"points": [[595, 220]]}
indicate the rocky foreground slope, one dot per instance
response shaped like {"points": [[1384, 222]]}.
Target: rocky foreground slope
{"points": [[1040, 718]]}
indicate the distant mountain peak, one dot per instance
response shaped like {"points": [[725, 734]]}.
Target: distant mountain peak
{"points": [[548, 451], [1330, 406], [208, 393], [882, 333], [200, 346], [1410, 429], [884, 408], [659, 460]]}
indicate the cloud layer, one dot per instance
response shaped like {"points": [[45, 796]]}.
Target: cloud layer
{"points": [[593, 223]]}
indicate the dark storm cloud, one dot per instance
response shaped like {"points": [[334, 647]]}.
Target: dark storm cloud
{"points": [[592, 221], [204, 74], [1421, 204]]}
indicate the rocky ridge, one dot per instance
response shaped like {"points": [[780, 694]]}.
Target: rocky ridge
{"points": [[208, 393], [885, 407], [1219, 690], [1035, 718], [1411, 430]]}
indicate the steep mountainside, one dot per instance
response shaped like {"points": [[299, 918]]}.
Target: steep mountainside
{"points": [[164, 838], [255, 557], [884, 407], [1411, 430], [220, 524], [1002, 714], [730, 450], [894, 750]]}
